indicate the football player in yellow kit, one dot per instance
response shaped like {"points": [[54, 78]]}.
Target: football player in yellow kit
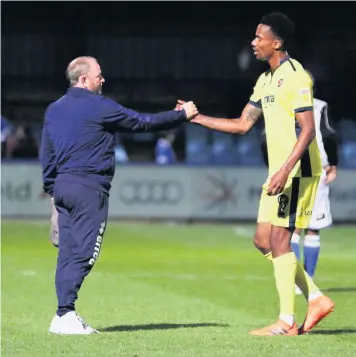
{"points": [[284, 95]]}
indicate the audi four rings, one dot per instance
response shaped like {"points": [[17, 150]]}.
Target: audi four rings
{"points": [[156, 192]]}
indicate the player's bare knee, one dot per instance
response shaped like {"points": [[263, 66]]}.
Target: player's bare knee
{"points": [[257, 241], [261, 238], [261, 242]]}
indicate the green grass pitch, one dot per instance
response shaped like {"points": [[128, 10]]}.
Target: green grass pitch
{"points": [[170, 290]]}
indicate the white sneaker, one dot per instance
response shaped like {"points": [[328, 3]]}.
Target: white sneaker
{"points": [[70, 324], [298, 291]]}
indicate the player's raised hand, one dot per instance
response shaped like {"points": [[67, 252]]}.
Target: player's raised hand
{"points": [[190, 109], [277, 182]]}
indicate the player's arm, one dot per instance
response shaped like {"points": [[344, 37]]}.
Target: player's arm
{"points": [[48, 161], [301, 98], [241, 125], [306, 122], [120, 118]]}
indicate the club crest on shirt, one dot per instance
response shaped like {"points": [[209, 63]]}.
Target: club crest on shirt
{"points": [[280, 82]]}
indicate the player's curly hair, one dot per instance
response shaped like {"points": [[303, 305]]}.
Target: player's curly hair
{"points": [[281, 26]]}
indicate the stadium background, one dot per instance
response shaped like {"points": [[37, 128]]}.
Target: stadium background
{"points": [[152, 54], [161, 288]]}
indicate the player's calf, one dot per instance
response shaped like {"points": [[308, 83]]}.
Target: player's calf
{"points": [[284, 263]]}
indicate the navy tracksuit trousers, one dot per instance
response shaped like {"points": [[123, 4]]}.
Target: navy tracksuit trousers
{"points": [[82, 217]]}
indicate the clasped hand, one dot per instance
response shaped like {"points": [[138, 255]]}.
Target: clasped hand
{"points": [[189, 107]]}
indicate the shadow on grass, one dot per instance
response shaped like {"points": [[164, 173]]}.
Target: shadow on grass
{"points": [[341, 289], [334, 332], [163, 326]]}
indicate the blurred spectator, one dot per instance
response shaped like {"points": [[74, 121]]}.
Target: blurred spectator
{"points": [[21, 144], [5, 131], [164, 149]]}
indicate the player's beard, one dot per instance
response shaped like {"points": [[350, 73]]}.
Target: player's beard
{"points": [[264, 59], [260, 58]]}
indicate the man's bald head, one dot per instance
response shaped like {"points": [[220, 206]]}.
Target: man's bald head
{"points": [[78, 67], [85, 72]]}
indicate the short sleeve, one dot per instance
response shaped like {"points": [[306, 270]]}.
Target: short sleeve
{"points": [[256, 96], [302, 93]]}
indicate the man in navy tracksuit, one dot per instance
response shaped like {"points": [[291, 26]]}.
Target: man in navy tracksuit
{"points": [[78, 164]]}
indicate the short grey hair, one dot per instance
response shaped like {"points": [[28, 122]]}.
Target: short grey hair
{"points": [[78, 67]]}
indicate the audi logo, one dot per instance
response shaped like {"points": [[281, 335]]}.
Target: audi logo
{"points": [[151, 192]]}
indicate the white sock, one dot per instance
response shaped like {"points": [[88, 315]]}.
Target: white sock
{"points": [[315, 295], [288, 319], [312, 241]]}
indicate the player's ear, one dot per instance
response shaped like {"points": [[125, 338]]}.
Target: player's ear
{"points": [[277, 45]]}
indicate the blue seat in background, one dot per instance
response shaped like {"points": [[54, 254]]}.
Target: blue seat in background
{"points": [[248, 152], [347, 130], [348, 154], [222, 150], [198, 150]]}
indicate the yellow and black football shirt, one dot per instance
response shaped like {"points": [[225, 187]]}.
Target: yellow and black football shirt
{"points": [[281, 94]]}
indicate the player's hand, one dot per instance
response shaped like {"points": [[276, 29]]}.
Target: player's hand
{"points": [[330, 174], [277, 182], [190, 108], [179, 107]]}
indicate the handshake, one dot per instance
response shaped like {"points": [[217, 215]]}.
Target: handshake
{"points": [[189, 107]]}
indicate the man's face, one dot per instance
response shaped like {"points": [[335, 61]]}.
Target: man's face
{"points": [[94, 78], [264, 43]]}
